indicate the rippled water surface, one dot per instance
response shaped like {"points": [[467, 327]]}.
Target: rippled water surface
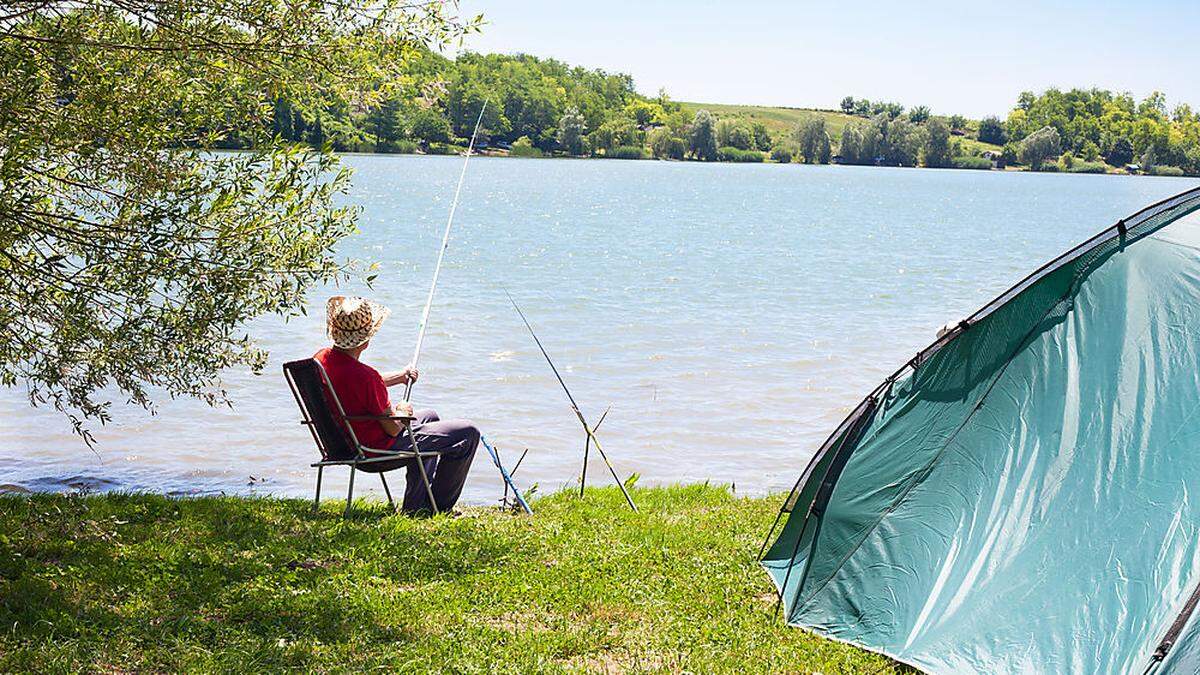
{"points": [[729, 315]]}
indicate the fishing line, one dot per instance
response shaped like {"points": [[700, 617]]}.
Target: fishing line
{"points": [[437, 270]]}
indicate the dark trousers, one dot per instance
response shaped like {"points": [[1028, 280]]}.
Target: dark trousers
{"points": [[457, 440]]}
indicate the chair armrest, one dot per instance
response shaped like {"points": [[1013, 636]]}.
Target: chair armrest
{"points": [[381, 455], [394, 418], [378, 456]]}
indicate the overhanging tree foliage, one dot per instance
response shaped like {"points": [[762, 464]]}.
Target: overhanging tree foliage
{"points": [[130, 256]]}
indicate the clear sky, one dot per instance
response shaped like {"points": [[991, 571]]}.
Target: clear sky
{"points": [[970, 57]]}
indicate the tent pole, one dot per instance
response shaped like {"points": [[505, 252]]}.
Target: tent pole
{"points": [[831, 443], [812, 551], [783, 508], [792, 565], [825, 492]]}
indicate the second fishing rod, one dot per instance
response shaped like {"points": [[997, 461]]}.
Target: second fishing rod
{"points": [[588, 429]]}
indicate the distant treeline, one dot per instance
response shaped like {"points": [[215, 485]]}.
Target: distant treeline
{"points": [[543, 107], [1095, 124], [541, 104]]}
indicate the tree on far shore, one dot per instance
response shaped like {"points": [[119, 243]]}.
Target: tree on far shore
{"points": [[1121, 152], [665, 145], [850, 146], [571, 128], [430, 126], [734, 134], [1041, 145], [702, 141], [814, 141], [784, 153], [903, 142], [762, 137], [991, 130], [937, 149]]}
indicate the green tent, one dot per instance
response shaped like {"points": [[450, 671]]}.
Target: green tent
{"points": [[1019, 496]]}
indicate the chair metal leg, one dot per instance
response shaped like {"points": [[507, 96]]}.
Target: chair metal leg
{"points": [[387, 492], [317, 498], [421, 466], [349, 492]]}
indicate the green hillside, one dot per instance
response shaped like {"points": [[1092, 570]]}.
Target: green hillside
{"points": [[781, 120]]}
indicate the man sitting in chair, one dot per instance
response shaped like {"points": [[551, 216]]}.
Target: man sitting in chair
{"points": [[351, 323]]}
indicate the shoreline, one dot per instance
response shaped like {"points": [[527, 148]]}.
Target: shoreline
{"points": [[767, 161]]}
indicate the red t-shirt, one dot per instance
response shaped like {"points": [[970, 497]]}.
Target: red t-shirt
{"points": [[361, 391]]}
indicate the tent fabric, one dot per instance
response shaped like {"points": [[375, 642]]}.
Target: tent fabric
{"points": [[1024, 495]]}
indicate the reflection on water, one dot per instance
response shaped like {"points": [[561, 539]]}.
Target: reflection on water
{"points": [[730, 315]]}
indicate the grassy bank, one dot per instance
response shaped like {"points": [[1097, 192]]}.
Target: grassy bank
{"points": [[118, 583]]}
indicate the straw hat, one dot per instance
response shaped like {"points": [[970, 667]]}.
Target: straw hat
{"points": [[351, 321]]}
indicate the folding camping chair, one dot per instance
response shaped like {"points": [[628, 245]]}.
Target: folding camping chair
{"points": [[327, 421]]}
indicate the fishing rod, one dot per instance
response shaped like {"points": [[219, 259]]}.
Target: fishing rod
{"points": [[437, 270], [574, 406]]}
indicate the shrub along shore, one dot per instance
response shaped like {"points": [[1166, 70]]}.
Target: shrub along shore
{"points": [[116, 583]]}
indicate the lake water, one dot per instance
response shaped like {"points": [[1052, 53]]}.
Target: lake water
{"points": [[730, 315]]}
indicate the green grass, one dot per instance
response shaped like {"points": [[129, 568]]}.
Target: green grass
{"points": [[973, 146], [730, 154], [148, 583]]}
